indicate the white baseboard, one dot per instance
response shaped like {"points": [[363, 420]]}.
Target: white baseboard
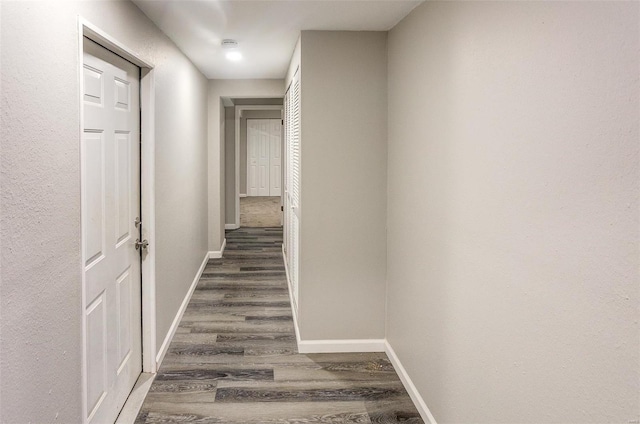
{"points": [[341, 346], [421, 406], [294, 309], [178, 317], [243, 195], [345, 346], [327, 346], [231, 226], [217, 254]]}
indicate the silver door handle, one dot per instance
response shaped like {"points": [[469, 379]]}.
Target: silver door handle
{"points": [[141, 244]]}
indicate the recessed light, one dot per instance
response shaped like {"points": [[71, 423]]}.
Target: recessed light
{"points": [[234, 55]]}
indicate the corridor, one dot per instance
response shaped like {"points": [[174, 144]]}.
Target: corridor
{"points": [[233, 358]]}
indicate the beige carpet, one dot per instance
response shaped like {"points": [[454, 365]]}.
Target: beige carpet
{"points": [[260, 212]]}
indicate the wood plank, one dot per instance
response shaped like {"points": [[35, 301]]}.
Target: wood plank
{"points": [[234, 356]]}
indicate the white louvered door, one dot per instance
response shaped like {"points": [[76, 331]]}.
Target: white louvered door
{"points": [[292, 182]]}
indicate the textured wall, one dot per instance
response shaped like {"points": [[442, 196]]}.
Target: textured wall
{"points": [[343, 203], [40, 289], [513, 210], [218, 178]]}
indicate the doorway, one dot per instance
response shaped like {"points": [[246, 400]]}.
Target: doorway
{"points": [[262, 117], [264, 158], [261, 207]]}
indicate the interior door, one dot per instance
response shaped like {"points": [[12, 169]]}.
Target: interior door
{"points": [[110, 162]]}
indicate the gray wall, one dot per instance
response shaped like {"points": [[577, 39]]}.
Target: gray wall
{"points": [[343, 204], [250, 114], [230, 164], [513, 209], [40, 289]]}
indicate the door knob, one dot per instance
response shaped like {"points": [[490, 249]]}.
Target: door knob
{"points": [[141, 244]]}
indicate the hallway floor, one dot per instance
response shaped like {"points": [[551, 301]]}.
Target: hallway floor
{"points": [[260, 211], [234, 359]]}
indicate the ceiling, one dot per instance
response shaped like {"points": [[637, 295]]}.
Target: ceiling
{"points": [[266, 30]]}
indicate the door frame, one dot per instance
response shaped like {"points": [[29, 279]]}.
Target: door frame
{"points": [[238, 115], [147, 192]]}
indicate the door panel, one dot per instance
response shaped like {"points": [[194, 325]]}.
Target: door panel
{"points": [[110, 163], [123, 187], [94, 199], [96, 340]]}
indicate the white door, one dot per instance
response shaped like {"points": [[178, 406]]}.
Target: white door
{"points": [[275, 157], [110, 163], [264, 157], [292, 183]]}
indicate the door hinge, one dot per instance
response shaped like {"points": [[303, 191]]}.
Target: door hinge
{"points": [[142, 245], [281, 208]]}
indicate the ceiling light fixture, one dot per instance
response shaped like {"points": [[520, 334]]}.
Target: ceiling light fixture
{"points": [[231, 50], [233, 55]]}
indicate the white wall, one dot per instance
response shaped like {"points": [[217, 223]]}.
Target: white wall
{"points": [[513, 225], [40, 290], [343, 185], [216, 90]]}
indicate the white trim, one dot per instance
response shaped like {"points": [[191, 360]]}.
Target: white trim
{"points": [[231, 226], [217, 254], [294, 309], [87, 29], [243, 195], [421, 406], [178, 317], [147, 191], [341, 346], [327, 346], [238, 114], [148, 216]]}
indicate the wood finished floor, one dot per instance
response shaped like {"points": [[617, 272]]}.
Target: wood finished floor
{"points": [[234, 359]]}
